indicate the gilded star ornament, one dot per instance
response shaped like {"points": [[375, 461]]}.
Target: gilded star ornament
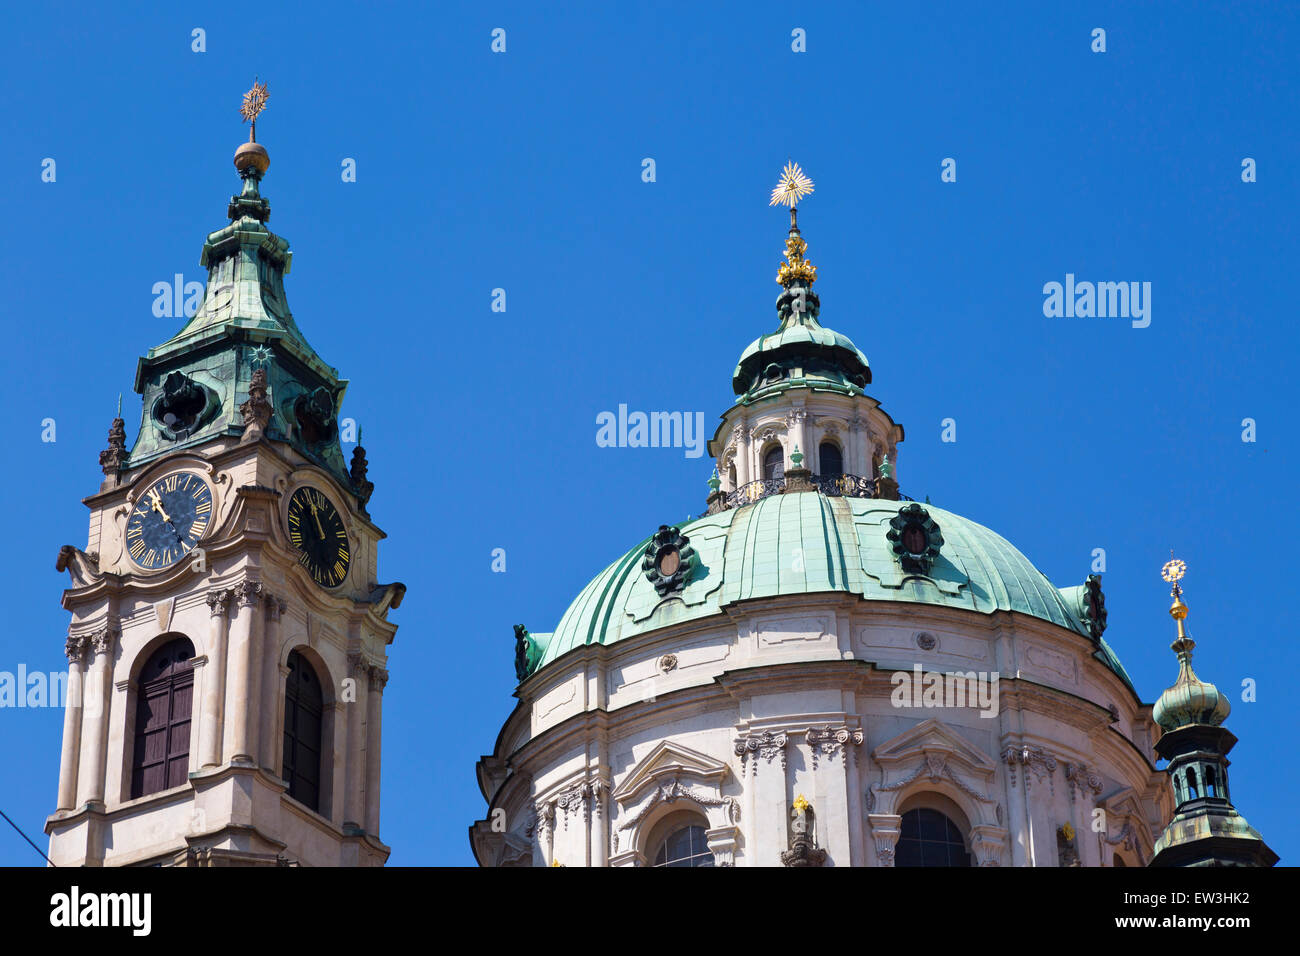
{"points": [[260, 357], [254, 102], [1173, 572], [792, 186]]}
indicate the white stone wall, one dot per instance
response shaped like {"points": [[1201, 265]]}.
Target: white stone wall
{"points": [[735, 717]]}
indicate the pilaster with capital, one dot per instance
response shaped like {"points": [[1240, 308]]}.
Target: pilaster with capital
{"points": [[741, 434], [272, 682], [214, 678], [72, 712], [94, 730], [354, 788], [242, 692], [374, 713]]}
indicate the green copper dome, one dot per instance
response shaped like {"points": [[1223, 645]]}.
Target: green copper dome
{"points": [[1191, 700], [802, 543]]}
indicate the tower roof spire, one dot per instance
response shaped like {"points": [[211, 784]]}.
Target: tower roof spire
{"points": [[1190, 700]]}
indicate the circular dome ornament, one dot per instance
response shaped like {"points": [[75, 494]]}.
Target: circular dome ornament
{"points": [[915, 539], [668, 560]]}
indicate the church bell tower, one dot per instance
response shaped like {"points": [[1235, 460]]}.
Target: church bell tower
{"points": [[228, 646]]}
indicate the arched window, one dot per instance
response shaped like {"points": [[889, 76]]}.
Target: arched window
{"points": [[1192, 792], [1209, 782], [832, 462], [303, 708], [685, 846], [774, 462], [731, 476], [929, 838], [163, 707]]}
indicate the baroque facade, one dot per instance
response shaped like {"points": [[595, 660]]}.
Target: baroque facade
{"points": [[820, 671], [228, 645]]}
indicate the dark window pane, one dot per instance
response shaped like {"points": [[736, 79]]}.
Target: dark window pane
{"points": [[832, 464]]}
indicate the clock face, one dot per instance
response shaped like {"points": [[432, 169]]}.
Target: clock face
{"points": [[167, 521], [316, 531]]}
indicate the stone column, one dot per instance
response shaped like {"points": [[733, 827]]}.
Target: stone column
{"points": [[886, 828], [272, 686], [241, 693], [859, 449], [374, 705], [742, 455], [72, 710], [214, 680], [354, 788], [94, 732], [599, 824]]}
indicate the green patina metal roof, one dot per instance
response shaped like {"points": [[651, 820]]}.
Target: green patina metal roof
{"points": [[803, 543]]}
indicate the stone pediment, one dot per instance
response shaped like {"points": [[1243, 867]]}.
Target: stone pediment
{"points": [[671, 761], [931, 737]]}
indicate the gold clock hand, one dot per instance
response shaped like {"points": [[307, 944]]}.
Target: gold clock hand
{"points": [[316, 518], [155, 503]]}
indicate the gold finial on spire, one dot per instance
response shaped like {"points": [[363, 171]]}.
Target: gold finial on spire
{"points": [[254, 102], [251, 159], [1173, 572], [793, 186]]}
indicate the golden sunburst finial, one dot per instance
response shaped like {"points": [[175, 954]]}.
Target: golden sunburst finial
{"points": [[254, 102], [792, 186], [1173, 572]]}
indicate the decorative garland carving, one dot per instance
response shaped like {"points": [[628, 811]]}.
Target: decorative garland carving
{"points": [[674, 789], [935, 766]]}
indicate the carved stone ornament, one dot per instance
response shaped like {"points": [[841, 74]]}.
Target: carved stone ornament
{"points": [[75, 648], [668, 663], [668, 561], [915, 538], [766, 745], [257, 410], [219, 601], [249, 593], [113, 458], [926, 642], [1032, 759], [104, 639], [830, 742], [672, 790], [1083, 780], [803, 849]]}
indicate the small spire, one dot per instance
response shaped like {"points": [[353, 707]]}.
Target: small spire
{"points": [[714, 481]]}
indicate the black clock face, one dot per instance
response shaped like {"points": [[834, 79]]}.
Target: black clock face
{"points": [[316, 530], [168, 520]]}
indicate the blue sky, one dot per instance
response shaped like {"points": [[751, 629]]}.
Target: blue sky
{"points": [[523, 170]]}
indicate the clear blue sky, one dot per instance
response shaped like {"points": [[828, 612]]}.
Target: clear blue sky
{"points": [[523, 171]]}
